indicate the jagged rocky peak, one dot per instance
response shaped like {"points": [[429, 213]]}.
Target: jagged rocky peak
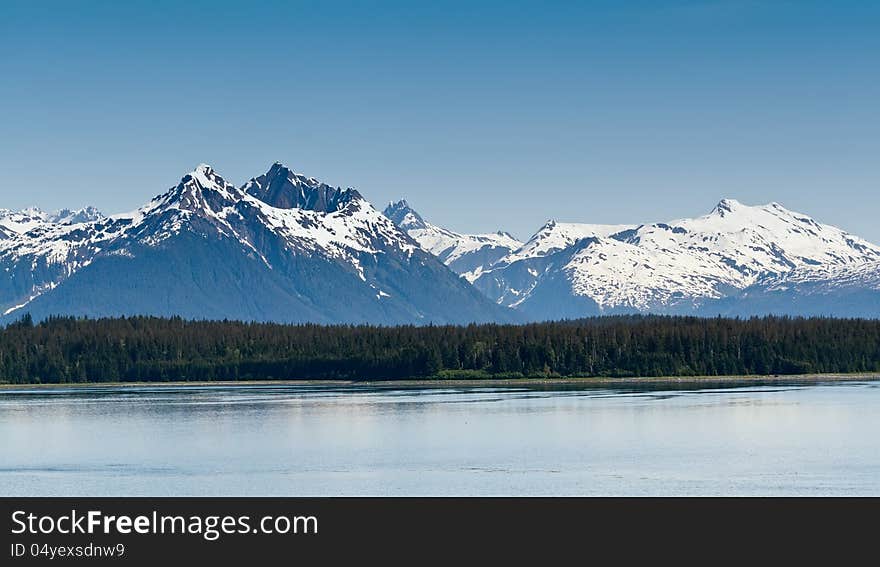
{"points": [[404, 216], [76, 216], [726, 206], [204, 177], [283, 188], [201, 189]]}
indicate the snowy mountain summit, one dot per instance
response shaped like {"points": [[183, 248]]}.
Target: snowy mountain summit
{"points": [[711, 264], [281, 247]]}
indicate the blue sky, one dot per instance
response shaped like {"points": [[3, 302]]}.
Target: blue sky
{"points": [[484, 115]]}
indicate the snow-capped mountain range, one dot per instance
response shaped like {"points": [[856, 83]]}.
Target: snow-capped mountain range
{"points": [[286, 247], [28, 219], [282, 247], [736, 260]]}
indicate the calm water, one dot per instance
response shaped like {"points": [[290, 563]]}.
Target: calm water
{"points": [[271, 440]]}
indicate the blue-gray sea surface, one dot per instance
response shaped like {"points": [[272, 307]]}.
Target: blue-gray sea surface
{"points": [[819, 439]]}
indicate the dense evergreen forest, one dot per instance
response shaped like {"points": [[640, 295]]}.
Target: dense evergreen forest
{"points": [[63, 350]]}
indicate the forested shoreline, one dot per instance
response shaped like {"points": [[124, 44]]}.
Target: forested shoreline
{"points": [[147, 349]]}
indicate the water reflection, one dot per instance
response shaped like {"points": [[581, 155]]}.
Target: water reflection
{"points": [[359, 440]]}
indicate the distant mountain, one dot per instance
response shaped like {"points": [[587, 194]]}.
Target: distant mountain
{"points": [[737, 260], [283, 247], [27, 219], [286, 247], [851, 290], [465, 254]]}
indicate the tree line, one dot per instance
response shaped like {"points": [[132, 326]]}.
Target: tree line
{"points": [[147, 349]]}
